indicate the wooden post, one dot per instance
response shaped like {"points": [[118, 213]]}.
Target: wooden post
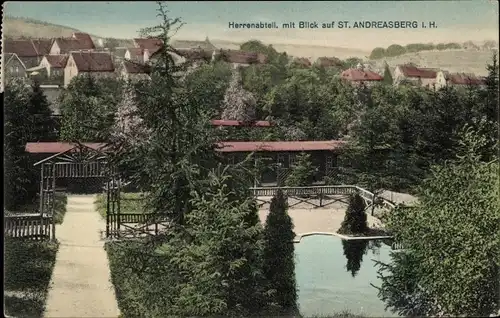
{"points": [[53, 201], [107, 209], [117, 194]]}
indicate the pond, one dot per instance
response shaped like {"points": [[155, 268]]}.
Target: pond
{"points": [[330, 282]]}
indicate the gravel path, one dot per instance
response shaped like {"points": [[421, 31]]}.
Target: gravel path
{"points": [[80, 285]]}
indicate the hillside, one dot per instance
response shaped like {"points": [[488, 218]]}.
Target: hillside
{"points": [[453, 60], [468, 61], [14, 27]]}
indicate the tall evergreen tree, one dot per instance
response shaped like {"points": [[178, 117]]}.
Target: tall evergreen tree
{"points": [[42, 120], [180, 150], [17, 132], [279, 257], [355, 217], [387, 75], [491, 94]]}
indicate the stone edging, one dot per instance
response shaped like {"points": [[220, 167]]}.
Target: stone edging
{"points": [[299, 237]]}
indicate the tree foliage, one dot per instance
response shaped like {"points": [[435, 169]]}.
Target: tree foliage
{"points": [[88, 107], [28, 118], [450, 262], [239, 104], [302, 171], [355, 217], [279, 257]]}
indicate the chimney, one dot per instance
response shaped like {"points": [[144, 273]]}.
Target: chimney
{"points": [[359, 66]]}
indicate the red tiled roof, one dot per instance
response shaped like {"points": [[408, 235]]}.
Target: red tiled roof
{"points": [[43, 46], [23, 48], [221, 122], [57, 147], [413, 71], [150, 44], [93, 61], [58, 61], [465, 79], [136, 68], [79, 41], [249, 146], [357, 75], [85, 40], [226, 146]]}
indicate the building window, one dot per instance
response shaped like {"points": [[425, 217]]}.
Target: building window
{"points": [[329, 162], [17, 69], [12, 69]]}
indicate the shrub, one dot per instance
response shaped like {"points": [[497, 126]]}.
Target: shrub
{"points": [[279, 258], [355, 217], [301, 173]]}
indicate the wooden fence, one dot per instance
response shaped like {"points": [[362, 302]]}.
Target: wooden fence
{"points": [[34, 227]]}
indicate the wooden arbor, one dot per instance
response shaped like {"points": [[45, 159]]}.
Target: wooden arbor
{"points": [[78, 161]]}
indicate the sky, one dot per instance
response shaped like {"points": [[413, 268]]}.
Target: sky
{"points": [[456, 20]]}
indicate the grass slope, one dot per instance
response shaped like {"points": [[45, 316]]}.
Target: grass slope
{"points": [[28, 269], [467, 61], [129, 203]]}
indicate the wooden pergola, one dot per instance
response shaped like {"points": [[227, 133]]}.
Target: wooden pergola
{"points": [[68, 160]]}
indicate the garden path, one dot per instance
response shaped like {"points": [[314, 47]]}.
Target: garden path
{"points": [[80, 285]]}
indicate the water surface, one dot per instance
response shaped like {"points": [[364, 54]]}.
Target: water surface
{"points": [[334, 275]]}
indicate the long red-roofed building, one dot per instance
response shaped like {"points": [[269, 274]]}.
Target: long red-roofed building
{"points": [[280, 156]]}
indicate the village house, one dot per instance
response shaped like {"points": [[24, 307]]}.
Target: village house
{"points": [[54, 64], [148, 47], [195, 56], [50, 71], [136, 54], [133, 71], [361, 76], [12, 67], [417, 75], [30, 52], [78, 42], [445, 78], [97, 64]]}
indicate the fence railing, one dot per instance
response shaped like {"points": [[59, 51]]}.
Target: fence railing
{"points": [[297, 191], [35, 227]]}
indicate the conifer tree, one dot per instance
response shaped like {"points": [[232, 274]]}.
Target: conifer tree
{"points": [[387, 75], [355, 217], [279, 257], [18, 129], [42, 123], [302, 171]]}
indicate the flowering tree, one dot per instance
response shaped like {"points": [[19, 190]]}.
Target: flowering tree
{"points": [[129, 126], [239, 104]]}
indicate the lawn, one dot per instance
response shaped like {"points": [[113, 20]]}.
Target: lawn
{"points": [[28, 269], [129, 203], [61, 200]]}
